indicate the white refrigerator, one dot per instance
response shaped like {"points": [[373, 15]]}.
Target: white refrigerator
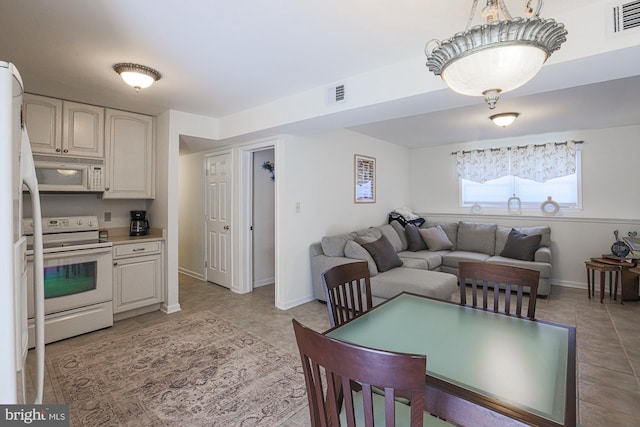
{"points": [[17, 173]]}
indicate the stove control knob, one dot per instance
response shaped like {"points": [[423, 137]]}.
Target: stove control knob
{"points": [[79, 221]]}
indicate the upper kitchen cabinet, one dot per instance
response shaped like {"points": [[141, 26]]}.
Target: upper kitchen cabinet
{"points": [[64, 128], [130, 156]]}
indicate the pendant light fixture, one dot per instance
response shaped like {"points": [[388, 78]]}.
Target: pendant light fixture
{"points": [[504, 119], [496, 57], [137, 76]]}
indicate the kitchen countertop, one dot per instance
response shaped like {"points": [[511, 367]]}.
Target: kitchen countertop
{"points": [[120, 236]]}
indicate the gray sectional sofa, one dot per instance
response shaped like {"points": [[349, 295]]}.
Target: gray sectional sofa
{"points": [[431, 272]]}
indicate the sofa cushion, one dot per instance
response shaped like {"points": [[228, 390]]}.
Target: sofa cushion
{"points": [[521, 246], [453, 258], [334, 245], [399, 229], [353, 250], [502, 233], [390, 233], [435, 238], [418, 263], [433, 259], [476, 237], [450, 228], [414, 239], [423, 282], [371, 234], [383, 254]]}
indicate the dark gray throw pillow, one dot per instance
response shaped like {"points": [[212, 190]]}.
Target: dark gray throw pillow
{"points": [[383, 254], [414, 239], [521, 246]]}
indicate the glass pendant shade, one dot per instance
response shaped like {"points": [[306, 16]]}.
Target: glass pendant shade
{"points": [[504, 119], [496, 57], [501, 68], [137, 80]]}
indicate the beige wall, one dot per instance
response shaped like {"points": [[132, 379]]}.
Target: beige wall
{"points": [[191, 195], [318, 173]]}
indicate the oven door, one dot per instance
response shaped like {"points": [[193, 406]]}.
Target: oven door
{"points": [[74, 279]]}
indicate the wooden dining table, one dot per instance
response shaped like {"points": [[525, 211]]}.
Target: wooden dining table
{"points": [[483, 368]]}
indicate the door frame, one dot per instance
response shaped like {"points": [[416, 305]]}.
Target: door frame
{"points": [[245, 235]]}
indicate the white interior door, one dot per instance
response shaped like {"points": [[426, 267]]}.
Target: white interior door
{"points": [[219, 219]]}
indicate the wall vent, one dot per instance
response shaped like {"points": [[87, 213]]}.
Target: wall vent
{"points": [[336, 94], [626, 16]]}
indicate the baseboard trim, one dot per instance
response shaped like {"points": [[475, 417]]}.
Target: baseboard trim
{"points": [[286, 305], [170, 309], [190, 273], [264, 282], [569, 284]]}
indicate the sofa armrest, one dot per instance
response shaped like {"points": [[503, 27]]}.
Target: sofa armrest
{"points": [[320, 264], [543, 254]]}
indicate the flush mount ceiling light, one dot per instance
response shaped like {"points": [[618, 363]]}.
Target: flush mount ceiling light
{"points": [[504, 119], [496, 57], [137, 76]]}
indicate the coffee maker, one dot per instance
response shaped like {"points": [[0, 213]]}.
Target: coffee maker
{"points": [[139, 225]]}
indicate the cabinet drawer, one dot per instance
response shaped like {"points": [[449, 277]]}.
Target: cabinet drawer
{"points": [[135, 249]]}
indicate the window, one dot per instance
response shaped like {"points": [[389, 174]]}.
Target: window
{"points": [[566, 190]]}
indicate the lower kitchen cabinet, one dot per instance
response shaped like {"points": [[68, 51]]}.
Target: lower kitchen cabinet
{"points": [[137, 277]]}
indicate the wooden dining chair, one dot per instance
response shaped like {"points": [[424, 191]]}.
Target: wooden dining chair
{"points": [[331, 367], [347, 289], [485, 276]]}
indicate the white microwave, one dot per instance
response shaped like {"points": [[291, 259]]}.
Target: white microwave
{"points": [[70, 175]]}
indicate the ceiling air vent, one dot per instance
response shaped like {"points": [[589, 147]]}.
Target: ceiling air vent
{"points": [[336, 94], [626, 16]]}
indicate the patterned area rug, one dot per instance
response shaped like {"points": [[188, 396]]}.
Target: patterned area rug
{"points": [[193, 371]]}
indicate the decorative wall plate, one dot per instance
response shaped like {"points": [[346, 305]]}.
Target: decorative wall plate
{"points": [[619, 248]]}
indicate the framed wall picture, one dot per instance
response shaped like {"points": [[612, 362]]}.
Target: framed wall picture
{"points": [[365, 179]]}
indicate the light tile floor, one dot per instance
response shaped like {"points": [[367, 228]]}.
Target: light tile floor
{"points": [[608, 337]]}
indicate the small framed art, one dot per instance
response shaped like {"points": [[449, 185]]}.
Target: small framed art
{"points": [[365, 179]]}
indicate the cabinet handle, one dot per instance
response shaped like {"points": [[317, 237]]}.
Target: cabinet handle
{"points": [[226, 227], [115, 263], [138, 249], [57, 150], [106, 189], [65, 151]]}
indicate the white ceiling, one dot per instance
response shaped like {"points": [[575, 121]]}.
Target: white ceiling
{"points": [[224, 58]]}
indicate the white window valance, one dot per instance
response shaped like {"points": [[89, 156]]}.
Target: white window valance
{"points": [[537, 162]]}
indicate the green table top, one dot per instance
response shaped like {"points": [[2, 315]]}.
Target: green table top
{"points": [[520, 362]]}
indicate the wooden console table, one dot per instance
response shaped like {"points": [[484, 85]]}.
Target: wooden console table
{"points": [[629, 279]]}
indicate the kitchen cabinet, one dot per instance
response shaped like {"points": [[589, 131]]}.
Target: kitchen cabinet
{"points": [[137, 277], [64, 128], [130, 156]]}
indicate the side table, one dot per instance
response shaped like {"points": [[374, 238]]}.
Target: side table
{"points": [[629, 281], [592, 267]]}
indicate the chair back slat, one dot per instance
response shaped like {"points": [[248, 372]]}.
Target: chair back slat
{"points": [[347, 289], [332, 368], [511, 279]]}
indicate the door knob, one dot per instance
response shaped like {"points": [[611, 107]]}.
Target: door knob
{"points": [[226, 227]]}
